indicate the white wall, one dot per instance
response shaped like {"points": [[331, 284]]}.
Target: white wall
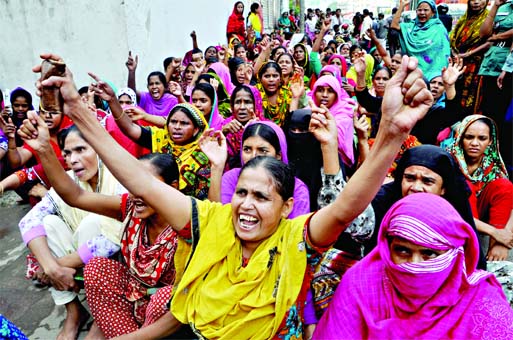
{"points": [[96, 35]]}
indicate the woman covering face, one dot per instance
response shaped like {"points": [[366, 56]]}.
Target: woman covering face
{"points": [[427, 256]]}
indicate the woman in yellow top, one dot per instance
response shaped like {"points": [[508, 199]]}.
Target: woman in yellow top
{"points": [[242, 267], [179, 136], [256, 20]]}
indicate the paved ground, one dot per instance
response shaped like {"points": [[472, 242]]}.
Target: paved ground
{"points": [[30, 308]]}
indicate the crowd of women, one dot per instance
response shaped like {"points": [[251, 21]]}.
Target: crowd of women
{"points": [[267, 189]]}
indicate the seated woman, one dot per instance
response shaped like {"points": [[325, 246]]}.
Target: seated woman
{"points": [[156, 101], [184, 126], [204, 98], [420, 282], [426, 168], [19, 156], [310, 62], [476, 149], [223, 98], [223, 72], [254, 262], [277, 99], [352, 76], [124, 295], [424, 38], [53, 229], [327, 93], [245, 108], [128, 101], [264, 138]]}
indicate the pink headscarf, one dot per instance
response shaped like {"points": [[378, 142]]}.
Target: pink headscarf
{"points": [[223, 72], [441, 298], [342, 60], [342, 110]]}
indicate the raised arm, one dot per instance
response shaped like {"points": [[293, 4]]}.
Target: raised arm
{"points": [[263, 57], [406, 100], [487, 26], [380, 48], [360, 66], [131, 65], [397, 16], [324, 128], [124, 122], [171, 204], [213, 145], [450, 75], [35, 133], [325, 26], [194, 38]]}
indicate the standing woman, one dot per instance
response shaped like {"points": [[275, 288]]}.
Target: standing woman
{"points": [[157, 101], [466, 41], [476, 149], [236, 22], [255, 20], [425, 38]]}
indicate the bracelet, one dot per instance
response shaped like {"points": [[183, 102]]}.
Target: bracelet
{"points": [[1, 189], [15, 148], [120, 116]]}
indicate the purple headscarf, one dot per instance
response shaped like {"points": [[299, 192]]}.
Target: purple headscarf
{"points": [[301, 195], [160, 107]]}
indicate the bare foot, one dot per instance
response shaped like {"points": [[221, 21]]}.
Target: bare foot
{"points": [[76, 316], [95, 333]]}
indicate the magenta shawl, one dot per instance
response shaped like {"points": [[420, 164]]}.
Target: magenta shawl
{"points": [[160, 107], [301, 194], [223, 72], [342, 61], [441, 298], [342, 110]]}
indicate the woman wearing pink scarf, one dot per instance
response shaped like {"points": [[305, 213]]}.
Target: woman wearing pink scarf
{"points": [[419, 282], [342, 108], [223, 72]]}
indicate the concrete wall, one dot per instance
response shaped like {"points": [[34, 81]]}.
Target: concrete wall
{"points": [[96, 35]]}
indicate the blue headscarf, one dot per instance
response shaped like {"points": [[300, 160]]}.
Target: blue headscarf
{"points": [[428, 42]]}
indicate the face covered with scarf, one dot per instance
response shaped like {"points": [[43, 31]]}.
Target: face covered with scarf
{"points": [[431, 276]]}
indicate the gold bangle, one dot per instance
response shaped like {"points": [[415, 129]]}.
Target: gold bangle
{"points": [[15, 148], [120, 116], [1, 189]]}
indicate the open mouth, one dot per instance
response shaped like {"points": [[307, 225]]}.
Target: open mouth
{"points": [[155, 93], [79, 172], [139, 206], [247, 222]]}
